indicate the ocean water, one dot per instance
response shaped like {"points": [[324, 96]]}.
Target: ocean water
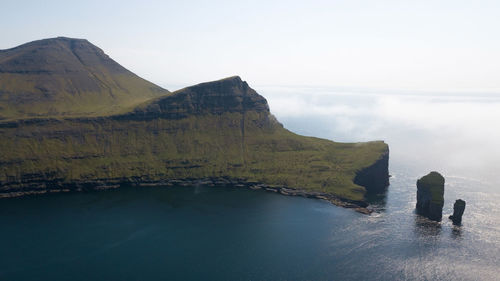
{"points": [[218, 233]]}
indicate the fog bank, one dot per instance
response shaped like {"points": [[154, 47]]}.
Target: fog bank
{"points": [[453, 133]]}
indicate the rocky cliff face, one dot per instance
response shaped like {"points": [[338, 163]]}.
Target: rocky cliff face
{"points": [[375, 178], [430, 196]]}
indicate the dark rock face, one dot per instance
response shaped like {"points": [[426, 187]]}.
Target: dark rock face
{"points": [[375, 178], [458, 211], [430, 196]]}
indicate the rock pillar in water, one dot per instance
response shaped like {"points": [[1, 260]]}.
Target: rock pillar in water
{"points": [[430, 196], [458, 211]]}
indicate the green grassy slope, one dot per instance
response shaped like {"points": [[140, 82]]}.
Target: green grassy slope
{"points": [[64, 77], [217, 129]]}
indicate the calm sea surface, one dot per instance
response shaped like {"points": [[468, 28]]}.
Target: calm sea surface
{"points": [[202, 233]]}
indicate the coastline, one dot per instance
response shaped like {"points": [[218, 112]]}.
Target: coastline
{"points": [[41, 187]]}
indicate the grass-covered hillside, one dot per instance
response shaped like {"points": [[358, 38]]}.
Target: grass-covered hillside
{"points": [[64, 77], [184, 135], [72, 118]]}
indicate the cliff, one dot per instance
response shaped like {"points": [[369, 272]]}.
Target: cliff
{"points": [[375, 178], [212, 133]]}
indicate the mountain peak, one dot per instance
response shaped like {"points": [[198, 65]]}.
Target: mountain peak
{"points": [[234, 78], [49, 42], [59, 39], [232, 81], [67, 77], [230, 94], [54, 55]]}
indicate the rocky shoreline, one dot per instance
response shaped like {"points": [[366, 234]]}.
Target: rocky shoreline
{"points": [[9, 190]]}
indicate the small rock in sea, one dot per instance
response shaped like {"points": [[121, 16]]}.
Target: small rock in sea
{"points": [[458, 211]]}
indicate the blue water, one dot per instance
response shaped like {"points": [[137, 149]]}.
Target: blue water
{"points": [[217, 233]]}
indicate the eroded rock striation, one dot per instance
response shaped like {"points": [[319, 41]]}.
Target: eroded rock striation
{"points": [[458, 211], [430, 196]]}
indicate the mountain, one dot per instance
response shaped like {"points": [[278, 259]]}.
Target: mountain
{"points": [[64, 77], [213, 98], [214, 133]]}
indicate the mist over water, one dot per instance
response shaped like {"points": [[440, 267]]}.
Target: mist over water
{"points": [[456, 134]]}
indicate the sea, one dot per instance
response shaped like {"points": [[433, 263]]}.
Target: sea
{"points": [[230, 233]]}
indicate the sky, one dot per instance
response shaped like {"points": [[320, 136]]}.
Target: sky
{"points": [[445, 46]]}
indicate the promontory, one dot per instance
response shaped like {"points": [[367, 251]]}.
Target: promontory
{"points": [[73, 119]]}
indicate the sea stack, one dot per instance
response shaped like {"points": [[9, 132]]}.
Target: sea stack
{"points": [[430, 196], [458, 211]]}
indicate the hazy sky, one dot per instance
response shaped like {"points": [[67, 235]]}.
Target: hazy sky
{"points": [[417, 45]]}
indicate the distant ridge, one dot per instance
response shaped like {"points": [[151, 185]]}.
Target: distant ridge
{"points": [[230, 94], [67, 77]]}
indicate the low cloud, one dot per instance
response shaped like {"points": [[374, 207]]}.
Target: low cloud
{"points": [[454, 133]]}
